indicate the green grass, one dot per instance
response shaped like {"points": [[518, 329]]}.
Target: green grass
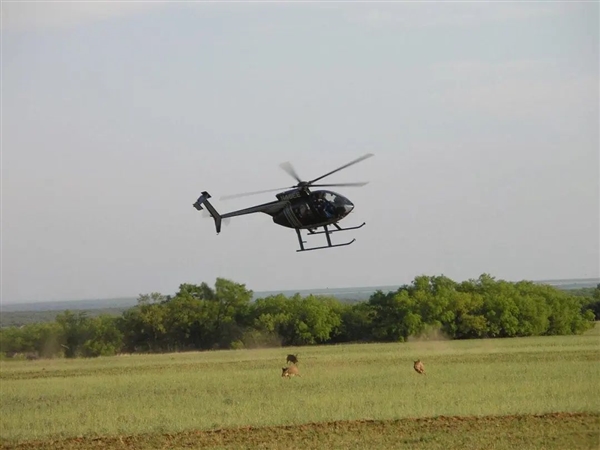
{"points": [[157, 394]]}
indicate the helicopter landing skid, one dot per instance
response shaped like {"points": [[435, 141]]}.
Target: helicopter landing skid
{"points": [[327, 233], [311, 231]]}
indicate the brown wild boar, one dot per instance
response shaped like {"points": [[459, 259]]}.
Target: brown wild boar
{"points": [[292, 359], [290, 371], [419, 367]]}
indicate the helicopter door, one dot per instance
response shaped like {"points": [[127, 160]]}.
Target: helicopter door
{"points": [[303, 213]]}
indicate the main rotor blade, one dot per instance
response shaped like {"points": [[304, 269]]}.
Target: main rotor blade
{"points": [[287, 166], [340, 184], [225, 197], [357, 160]]}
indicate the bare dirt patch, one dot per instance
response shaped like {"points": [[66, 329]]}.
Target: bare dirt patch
{"points": [[548, 431]]}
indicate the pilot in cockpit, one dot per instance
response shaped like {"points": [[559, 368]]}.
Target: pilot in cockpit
{"points": [[324, 207]]}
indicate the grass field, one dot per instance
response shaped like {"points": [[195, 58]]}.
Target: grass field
{"points": [[494, 394]]}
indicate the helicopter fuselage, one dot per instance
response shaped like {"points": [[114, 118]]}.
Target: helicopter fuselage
{"points": [[311, 210], [298, 208]]}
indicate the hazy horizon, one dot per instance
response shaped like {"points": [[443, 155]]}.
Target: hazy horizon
{"points": [[483, 118], [580, 282]]}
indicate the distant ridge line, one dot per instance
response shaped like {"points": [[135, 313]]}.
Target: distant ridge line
{"points": [[349, 293]]}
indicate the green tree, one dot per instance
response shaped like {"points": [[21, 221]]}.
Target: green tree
{"points": [[314, 320], [501, 314], [75, 330], [395, 316], [272, 316], [43, 339], [466, 314], [435, 299], [592, 302], [143, 326], [356, 323], [533, 310], [231, 311], [104, 337]]}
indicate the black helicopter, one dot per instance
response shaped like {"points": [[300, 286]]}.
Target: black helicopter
{"points": [[298, 208]]}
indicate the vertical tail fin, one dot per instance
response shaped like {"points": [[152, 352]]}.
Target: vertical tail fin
{"points": [[203, 199]]}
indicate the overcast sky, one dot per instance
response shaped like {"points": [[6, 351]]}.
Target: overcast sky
{"points": [[483, 119]]}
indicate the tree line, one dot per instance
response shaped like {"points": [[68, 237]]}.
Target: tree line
{"points": [[201, 317]]}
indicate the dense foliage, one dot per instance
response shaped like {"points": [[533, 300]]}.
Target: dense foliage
{"points": [[590, 299], [199, 317]]}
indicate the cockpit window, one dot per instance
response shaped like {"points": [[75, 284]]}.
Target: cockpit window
{"points": [[335, 199], [328, 204], [330, 197]]}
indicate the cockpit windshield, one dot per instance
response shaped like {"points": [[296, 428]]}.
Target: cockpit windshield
{"points": [[329, 204], [334, 198]]}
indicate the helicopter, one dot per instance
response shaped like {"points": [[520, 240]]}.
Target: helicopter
{"points": [[298, 207]]}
